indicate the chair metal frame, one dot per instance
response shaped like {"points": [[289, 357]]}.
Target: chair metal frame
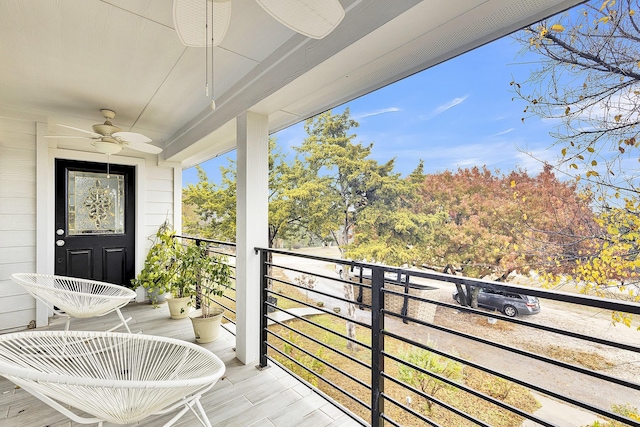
{"points": [[74, 297], [114, 377]]}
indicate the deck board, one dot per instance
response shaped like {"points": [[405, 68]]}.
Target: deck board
{"points": [[245, 396]]}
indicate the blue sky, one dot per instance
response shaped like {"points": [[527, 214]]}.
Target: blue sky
{"points": [[457, 114]]}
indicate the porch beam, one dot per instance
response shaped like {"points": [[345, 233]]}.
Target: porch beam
{"points": [[252, 193]]}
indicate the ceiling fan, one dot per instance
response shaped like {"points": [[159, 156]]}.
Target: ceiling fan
{"points": [[110, 139], [312, 18]]}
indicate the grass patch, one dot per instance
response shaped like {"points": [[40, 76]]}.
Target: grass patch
{"points": [[588, 359]]}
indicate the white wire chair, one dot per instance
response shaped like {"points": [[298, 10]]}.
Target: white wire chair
{"points": [[80, 298], [114, 377]]}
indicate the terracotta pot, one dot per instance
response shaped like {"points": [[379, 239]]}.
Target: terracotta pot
{"points": [[179, 307], [206, 329]]}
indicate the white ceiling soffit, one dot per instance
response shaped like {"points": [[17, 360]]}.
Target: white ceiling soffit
{"points": [[394, 47], [67, 59]]}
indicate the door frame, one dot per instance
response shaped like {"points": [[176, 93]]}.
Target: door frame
{"points": [[45, 205]]}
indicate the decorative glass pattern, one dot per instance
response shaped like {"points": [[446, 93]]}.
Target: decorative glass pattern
{"points": [[95, 203]]}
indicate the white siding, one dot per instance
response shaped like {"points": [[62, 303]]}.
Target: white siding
{"points": [[17, 219], [20, 195]]}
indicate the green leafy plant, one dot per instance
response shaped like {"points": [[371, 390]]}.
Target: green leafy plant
{"points": [[160, 265], [208, 274]]}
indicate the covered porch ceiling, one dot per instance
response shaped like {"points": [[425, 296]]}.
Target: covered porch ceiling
{"points": [[64, 60]]}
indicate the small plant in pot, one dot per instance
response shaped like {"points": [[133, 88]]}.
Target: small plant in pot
{"points": [[159, 266], [181, 285], [211, 275]]}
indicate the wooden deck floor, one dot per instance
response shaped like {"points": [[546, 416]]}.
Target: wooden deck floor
{"points": [[244, 397]]}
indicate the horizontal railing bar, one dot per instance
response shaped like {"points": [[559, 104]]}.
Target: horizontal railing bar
{"points": [[588, 300], [407, 409], [346, 393], [404, 275], [219, 242], [525, 353], [357, 322], [434, 400], [463, 387], [229, 329], [317, 341], [392, 421], [348, 301], [225, 307], [324, 328], [335, 368], [523, 383], [623, 346], [321, 393], [335, 279]]}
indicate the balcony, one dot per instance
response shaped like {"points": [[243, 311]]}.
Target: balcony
{"points": [[568, 365]]}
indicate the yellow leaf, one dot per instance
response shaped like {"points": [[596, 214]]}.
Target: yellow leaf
{"points": [[617, 118], [590, 149], [604, 19], [632, 12], [558, 28], [524, 217], [513, 184], [564, 152], [594, 163], [604, 4], [566, 112]]}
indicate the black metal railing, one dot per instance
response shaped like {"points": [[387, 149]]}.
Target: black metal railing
{"points": [[227, 301], [419, 358]]}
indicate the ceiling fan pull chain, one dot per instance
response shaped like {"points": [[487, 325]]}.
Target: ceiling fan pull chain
{"points": [[213, 92], [206, 52], [108, 161]]}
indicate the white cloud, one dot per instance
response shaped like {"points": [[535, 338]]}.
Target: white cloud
{"points": [[377, 112], [448, 105], [504, 132]]}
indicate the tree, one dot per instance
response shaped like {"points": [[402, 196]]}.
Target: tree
{"points": [[345, 192], [215, 204], [492, 225], [588, 80]]}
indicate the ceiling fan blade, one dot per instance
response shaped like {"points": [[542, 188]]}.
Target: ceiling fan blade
{"points": [[68, 137], [132, 137], [312, 18], [144, 147], [93, 134], [190, 20]]}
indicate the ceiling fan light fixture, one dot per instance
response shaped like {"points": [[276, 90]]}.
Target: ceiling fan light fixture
{"points": [[105, 147], [312, 18], [191, 16]]}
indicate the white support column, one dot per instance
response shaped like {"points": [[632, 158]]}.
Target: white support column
{"points": [[44, 220], [252, 222]]}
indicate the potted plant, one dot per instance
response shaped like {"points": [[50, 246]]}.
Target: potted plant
{"points": [[159, 266], [211, 275], [181, 286]]}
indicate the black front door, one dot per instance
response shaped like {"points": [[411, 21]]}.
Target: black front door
{"points": [[95, 221]]}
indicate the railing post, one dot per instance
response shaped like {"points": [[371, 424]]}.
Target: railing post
{"points": [[264, 293], [377, 346]]}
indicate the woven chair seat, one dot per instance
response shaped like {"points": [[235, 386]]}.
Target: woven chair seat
{"points": [[115, 377], [80, 298]]}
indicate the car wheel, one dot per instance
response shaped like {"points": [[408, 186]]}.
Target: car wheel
{"points": [[509, 311], [457, 298]]}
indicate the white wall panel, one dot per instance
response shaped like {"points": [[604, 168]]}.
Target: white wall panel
{"points": [[17, 219]]}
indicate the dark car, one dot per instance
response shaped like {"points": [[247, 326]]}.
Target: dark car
{"points": [[507, 302]]}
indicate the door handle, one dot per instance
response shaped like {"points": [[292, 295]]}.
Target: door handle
{"points": [[60, 242]]}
